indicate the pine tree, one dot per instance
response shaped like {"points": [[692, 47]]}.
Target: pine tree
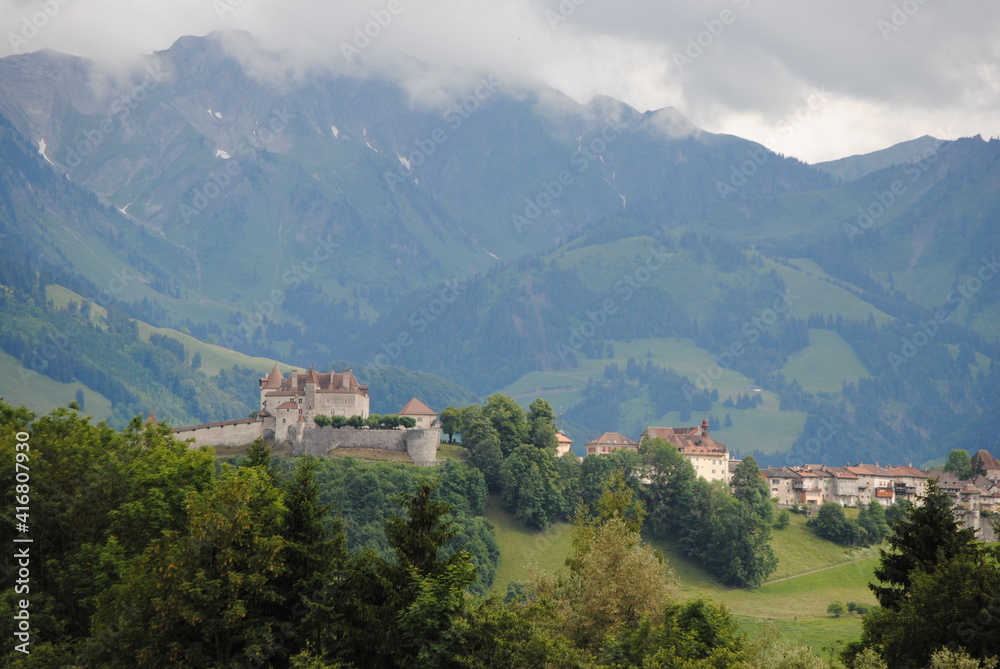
{"points": [[925, 536]]}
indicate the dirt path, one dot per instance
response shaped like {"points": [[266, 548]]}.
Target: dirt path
{"points": [[816, 571]]}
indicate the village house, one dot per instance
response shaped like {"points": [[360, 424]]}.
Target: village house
{"points": [[609, 442], [420, 412], [709, 458], [782, 482], [965, 497], [564, 444]]}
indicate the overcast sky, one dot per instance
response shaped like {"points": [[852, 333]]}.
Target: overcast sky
{"points": [[814, 79]]}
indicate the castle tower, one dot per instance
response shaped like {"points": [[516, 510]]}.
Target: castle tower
{"points": [[270, 382]]}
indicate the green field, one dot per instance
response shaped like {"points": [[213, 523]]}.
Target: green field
{"points": [[40, 394], [811, 573], [813, 293], [764, 428], [825, 364], [213, 358], [522, 551]]}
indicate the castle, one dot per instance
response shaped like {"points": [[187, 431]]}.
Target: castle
{"points": [[300, 397], [289, 405]]}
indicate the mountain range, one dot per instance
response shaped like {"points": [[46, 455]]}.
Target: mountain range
{"points": [[484, 237]]}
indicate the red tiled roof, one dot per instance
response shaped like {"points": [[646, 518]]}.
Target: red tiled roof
{"points": [[416, 408], [331, 382], [273, 380], [985, 459], [612, 439], [287, 405], [563, 439], [666, 433], [688, 440]]}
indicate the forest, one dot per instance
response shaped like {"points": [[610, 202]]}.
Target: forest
{"points": [[147, 553]]}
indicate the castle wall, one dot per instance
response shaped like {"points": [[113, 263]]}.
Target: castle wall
{"points": [[420, 445], [337, 404], [226, 433]]}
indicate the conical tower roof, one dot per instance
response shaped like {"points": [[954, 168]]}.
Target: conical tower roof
{"points": [[274, 379]]}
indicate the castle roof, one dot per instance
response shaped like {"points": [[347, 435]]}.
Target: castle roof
{"points": [[274, 379], [329, 382], [563, 439], [311, 376], [416, 408], [288, 405]]}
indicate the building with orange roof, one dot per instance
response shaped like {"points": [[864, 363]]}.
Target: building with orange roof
{"points": [[420, 412], [609, 442], [709, 458], [564, 444], [984, 461]]}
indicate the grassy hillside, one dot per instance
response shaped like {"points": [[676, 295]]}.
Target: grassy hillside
{"points": [[825, 364], [40, 393], [213, 357], [764, 428], [523, 550], [811, 573]]}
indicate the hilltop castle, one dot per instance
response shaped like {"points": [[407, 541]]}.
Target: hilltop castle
{"points": [[300, 397], [289, 405]]}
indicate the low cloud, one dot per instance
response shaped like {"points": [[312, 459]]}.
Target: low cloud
{"points": [[896, 70]]}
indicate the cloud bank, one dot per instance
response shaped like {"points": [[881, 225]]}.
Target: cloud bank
{"points": [[814, 80]]}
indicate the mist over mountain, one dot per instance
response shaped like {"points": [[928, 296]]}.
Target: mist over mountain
{"points": [[631, 268]]}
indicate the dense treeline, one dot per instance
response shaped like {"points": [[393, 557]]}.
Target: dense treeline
{"points": [[108, 356], [147, 553], [870, 527], [373, 421], [728, 532], [938, 595]]}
